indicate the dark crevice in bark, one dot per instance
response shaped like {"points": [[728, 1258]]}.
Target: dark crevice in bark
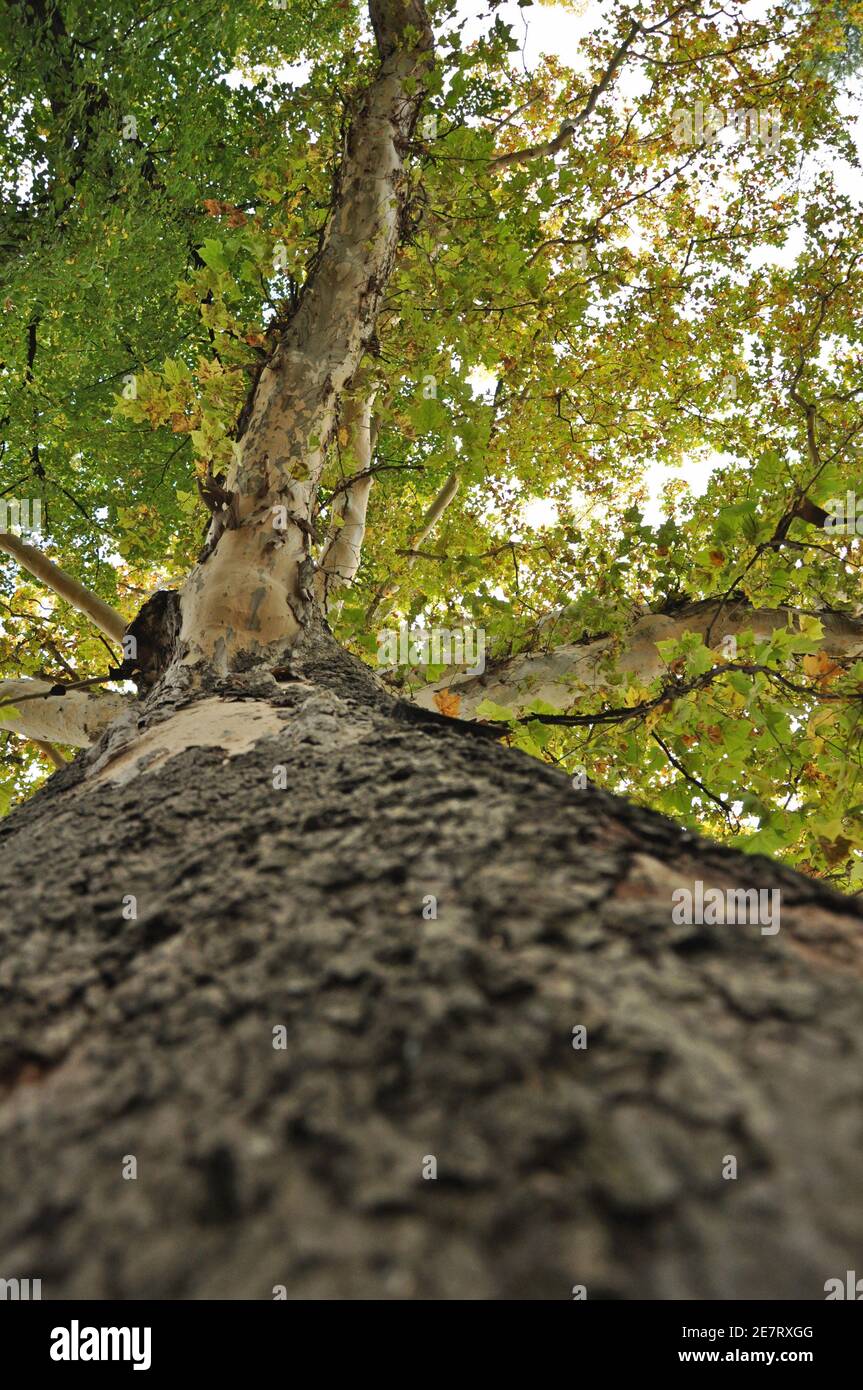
{"points": [[155, 632]]}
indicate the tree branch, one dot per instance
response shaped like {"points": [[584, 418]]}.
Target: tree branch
{"points": [[49, 751], [76, 718], [341, 557], [389, 588], [106, 618], [696, 782], [676, 689], [570, 126], [566, 674]]}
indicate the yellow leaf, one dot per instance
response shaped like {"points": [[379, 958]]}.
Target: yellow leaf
{"points": [[819, 666], [447, 703]]}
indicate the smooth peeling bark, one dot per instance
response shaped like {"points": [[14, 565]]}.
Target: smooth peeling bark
{"points": [[254, 590], [77, 718], [341, 558], [408, 1034], [566, 673]]}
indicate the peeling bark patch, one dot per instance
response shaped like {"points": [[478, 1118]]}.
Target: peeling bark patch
{"points": [[232, 728], [256, 600]]}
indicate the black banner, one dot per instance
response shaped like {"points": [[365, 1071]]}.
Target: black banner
{"points": [[154, 1339]]}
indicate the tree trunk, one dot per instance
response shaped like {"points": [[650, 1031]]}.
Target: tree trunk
{"points": [[428, 915]]}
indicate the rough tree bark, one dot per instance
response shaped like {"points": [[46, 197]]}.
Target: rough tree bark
{"points": [[266, 839], [406, 1037]]}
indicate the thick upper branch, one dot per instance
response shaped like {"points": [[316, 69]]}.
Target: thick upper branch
{"points": [[252, 593], [76, 718], [561, 676], [293, 412], [112, 623]]}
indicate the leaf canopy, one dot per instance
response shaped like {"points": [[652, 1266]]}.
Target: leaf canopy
{"points": [[640, 355]]}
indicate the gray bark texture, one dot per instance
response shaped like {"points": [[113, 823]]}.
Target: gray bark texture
{"points": [[409, 1038]]}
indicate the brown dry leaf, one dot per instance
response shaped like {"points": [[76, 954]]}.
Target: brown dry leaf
{"points": [[714, 733], [447, 703], [217, 207], [835, 851], [819, 666]]}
